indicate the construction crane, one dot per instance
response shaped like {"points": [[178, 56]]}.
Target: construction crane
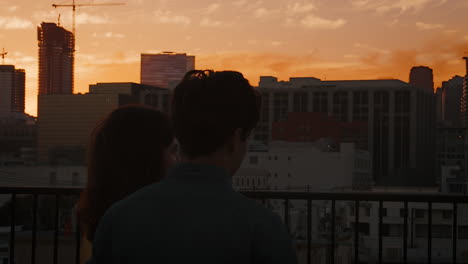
{"points": [[3, 54], [74, 6]]}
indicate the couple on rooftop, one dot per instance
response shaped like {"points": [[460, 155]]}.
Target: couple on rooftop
{"points": [[146, 203]]}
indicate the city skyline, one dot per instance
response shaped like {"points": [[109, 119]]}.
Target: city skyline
{"points": [[281, 38]]}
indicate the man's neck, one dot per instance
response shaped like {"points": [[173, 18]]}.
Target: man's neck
{"points": [[219, 161]]}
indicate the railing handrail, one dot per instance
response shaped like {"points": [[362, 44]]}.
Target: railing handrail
{"points": [[339, 196]]}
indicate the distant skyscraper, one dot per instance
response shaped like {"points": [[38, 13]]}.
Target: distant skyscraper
{"points": [[56, 59], [422, 77], [12, 89], [464, 101], [165, 68], [452, 91]]}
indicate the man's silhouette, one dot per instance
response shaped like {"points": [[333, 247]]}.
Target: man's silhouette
{"points": [[194, 215]]}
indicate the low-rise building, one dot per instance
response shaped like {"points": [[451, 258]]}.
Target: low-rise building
{"points": [[315, 166]]}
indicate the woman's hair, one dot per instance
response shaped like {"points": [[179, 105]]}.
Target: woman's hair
{"points": [[126, 153]]}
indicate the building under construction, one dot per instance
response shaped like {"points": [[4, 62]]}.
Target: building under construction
{"points": [[56, 59]]}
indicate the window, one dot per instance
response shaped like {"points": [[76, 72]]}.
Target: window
{"points": [[363, 228], [289, 175], [392, 230], [462, 232], [276, 175], [367, 211], [393, 253], [419, 213], [447, 214], [53, 178], [438, 231], [384, 211], [289, 158], [75, 179], [276, 158], [253, 160], [402, 212]]}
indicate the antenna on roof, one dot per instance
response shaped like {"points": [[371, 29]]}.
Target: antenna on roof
{"points": [[58, 22]]}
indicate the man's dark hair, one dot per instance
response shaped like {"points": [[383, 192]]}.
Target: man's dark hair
{"points": [[209, 106]]}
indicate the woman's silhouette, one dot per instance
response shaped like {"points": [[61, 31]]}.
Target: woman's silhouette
{"points": [[131, 148]]}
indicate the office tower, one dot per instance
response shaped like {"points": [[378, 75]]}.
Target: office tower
{"points": [[422, 77], [65, 121], [452, 91], [464, 101], [165, 69], [400, 120], [12, 90], [56, 59]]}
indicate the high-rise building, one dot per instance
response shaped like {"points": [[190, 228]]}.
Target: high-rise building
{"points": [[65, 121], [452, 91], [400, 120], [56, 59], [464, 100], [165, 69], [422, 77], [12, 90]]}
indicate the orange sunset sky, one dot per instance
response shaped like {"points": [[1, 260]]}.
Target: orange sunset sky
{"points": [[327, 39]]}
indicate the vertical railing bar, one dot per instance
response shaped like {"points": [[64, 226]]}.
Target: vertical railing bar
{"points": [[56, 227], [34, 229], [286, 213], [405, 233], [380, 230], [332, 250], [12, 228], [309, 230], [356, 231], [429, 232], [78, 241], [454, 233]]}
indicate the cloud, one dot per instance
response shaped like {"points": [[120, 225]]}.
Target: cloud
{"points": [[14, 23], [315, 22], [276, 43], [428, 26], [207, 22], [212, 8], [261, 12], [371, 48], [240, 3], [466, 37], [298, 8], [350, 56], [86, 18], [109, 35], [385, 6], [90, 60], [12, 8], [167, 17]]}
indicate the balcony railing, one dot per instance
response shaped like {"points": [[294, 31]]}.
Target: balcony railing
{"points": [[286, 198]]}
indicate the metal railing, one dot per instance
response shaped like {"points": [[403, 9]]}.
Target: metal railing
{"points": [[286, 197]]}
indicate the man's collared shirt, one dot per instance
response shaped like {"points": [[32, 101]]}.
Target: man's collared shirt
{"points": [[191, 216]]}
